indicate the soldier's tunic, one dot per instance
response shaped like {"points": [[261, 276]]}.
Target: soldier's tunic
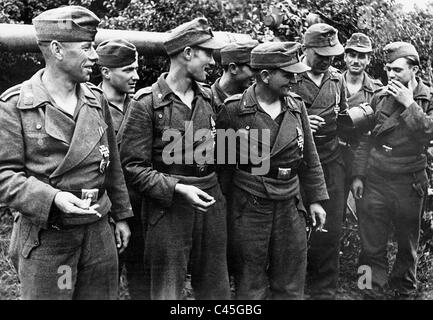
{"points": [[392, 163], [132, 256], [116, 113], [268, 231], [176, 233], [44, 151], [350, 141], [323, 255], [219, 95]]}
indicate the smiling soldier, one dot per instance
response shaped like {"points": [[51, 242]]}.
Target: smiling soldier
{"points": [[323, 91], [389, 170], [185, 210], [59, 166], [267, 231], [359, 89]]}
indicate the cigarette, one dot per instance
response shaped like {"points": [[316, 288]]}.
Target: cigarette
{"points": [[98, 214], [322, 230]]}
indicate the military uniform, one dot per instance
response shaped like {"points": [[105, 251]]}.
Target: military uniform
{"points": [[392, 164], [267, 230], [351, 140], [238, 53], [45, 151], [326, 101], [119, 53], [116, 113], [359, 43], [219, 95], [176, 234]]}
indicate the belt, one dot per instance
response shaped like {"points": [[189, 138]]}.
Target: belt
{"points": [[274, 173], [95, 194], [396, 152], [55, 213], [320, 139], [188, 170]]}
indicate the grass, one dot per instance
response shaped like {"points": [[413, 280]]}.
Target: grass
{"points": [[348, 290]]}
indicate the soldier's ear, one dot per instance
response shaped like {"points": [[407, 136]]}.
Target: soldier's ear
{"points": [[105, 72], [57, 49], [265, 75], [188, 53], [233, 68]]}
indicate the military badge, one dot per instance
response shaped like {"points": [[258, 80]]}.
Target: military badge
{"points": [[212, 127], [300, 138], [337, 104], [105, 162]]}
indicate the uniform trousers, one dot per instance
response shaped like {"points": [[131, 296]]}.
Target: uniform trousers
{"points": [[269, 247], [76, 263], [391, 201]]}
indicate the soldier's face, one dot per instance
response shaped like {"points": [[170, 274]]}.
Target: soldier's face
{"points": [[400, 70], [280, 81], [125, 78], [78, 60], [200, 61], [356, 62], [244, 76], [318, 64]]}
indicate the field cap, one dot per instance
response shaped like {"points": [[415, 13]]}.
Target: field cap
{"points": [[323, 39], [396, 50], [237, 52], [66, 24], [116, 53], [278, 55], [359, 42], [193, 33]]}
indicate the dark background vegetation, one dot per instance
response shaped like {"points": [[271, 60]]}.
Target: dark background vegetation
{"points": [[383, 21]]}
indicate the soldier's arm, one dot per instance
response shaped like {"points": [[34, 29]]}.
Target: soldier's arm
{"points": [[115, 181], [362, 152], [310, 172], [136, 139], [27, 194], [418, 120]]}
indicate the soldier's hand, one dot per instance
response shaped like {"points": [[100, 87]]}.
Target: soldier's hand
{"points": [[400, 92], [317, 211], [315, 122], [199, 199], [69, 203], [357, 188], [122, 233]]}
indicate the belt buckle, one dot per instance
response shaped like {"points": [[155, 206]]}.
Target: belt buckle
{"points": [[200, 170], [90, 194], [386, 148], [284, 173]]}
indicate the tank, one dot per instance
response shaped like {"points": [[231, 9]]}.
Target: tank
{"points": [[22, 38]]}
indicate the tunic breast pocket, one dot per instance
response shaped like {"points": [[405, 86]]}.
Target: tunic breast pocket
{"points": [[36, 140]]}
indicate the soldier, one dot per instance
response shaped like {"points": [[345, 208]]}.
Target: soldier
{"points": [[359, 89], [59, 166], [389, 170], [269, 238], [237, 75], [166, 127], [323, 92], [118, 61]]}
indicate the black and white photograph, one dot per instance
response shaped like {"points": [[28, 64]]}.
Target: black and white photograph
{"points": [[216, 154]]}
